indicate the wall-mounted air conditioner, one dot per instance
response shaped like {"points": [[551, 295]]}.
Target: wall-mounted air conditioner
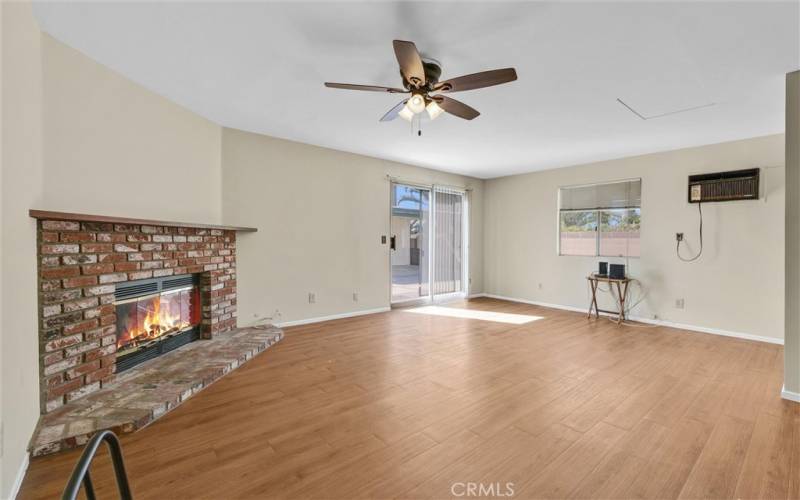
{"points": [[724, 186]]}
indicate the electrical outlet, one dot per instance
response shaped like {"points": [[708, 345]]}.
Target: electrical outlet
{"points": [[355, 296], [678, 236], [312, 297], [678, 303]]}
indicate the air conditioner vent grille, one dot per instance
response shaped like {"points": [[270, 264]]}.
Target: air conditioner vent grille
{"points": [[724, 186]]}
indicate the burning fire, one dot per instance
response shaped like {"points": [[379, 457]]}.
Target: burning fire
{"points": [[152, 317]]}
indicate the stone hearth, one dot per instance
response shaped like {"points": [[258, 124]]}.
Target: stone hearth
{"points": [[150, 390]]}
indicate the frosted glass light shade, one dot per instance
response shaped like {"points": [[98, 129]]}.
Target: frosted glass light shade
{"points": [[434, 110], [416, 104], [406, 114]]}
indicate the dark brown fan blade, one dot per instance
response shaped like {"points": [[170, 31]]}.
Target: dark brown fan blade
{"points": [[371, 88], [392, 113], [410, 62], [456, 108], [477, 80]]}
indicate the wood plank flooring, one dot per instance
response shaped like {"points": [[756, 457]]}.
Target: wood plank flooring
{"points": [[402, 405]]}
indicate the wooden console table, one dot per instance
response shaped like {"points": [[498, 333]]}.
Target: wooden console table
{"points": [[622, 295]]}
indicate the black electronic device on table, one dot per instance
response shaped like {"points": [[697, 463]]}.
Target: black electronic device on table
{"points": [[603, 270], [616, 271]]}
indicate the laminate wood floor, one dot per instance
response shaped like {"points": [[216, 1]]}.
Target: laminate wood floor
{"points": [[404, 405]]}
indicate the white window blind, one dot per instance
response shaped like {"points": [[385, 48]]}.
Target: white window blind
{"points": [[448, 265], [622, 194]]}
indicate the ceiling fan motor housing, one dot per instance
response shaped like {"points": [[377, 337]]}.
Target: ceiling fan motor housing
{"points": [[432, 73]]}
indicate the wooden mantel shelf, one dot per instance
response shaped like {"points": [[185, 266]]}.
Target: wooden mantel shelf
{"points": [[46, 214]]}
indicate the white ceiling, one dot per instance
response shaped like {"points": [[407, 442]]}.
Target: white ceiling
{"points": [[260, 67]]}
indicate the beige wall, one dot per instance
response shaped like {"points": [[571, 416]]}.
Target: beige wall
{"points": [[3, 118], [320, 215], [792, 344], [72, 128], [79, 137], [115, 148], [736, 286], [21, 189]]}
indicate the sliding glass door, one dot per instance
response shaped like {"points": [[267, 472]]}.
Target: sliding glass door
{"points": [[428, 243], [409, 243]]}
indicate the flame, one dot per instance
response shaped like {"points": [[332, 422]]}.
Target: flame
{"points": [[156, 322], [163, 316]]}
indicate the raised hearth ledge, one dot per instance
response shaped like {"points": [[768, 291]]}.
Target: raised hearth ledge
{"points": [[148, 391], [49, 215]]}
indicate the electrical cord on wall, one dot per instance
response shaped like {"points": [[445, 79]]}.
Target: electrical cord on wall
{"points": [[630, 304], [678, 246]]}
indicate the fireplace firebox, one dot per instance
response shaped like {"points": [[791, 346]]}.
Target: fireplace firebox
{"points": [[155, 316]]}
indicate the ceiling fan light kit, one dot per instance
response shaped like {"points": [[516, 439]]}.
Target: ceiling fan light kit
{"points": [[421, 80]]}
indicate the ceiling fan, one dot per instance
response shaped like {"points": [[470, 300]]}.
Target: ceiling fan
{"points": [[421, 80]]}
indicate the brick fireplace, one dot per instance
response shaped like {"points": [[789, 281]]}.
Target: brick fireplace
{"points": [[83, 262]]}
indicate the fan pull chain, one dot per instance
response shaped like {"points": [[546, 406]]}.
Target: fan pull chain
{"points": [[416, 120]]}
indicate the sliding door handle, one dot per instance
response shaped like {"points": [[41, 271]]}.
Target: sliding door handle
{"points": [[392, 242]]}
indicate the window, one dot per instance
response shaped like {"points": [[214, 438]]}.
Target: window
{"points": [[600, 219], [578, 232]]}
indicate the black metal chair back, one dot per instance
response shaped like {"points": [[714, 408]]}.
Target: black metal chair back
{"points": [[80, 475]]}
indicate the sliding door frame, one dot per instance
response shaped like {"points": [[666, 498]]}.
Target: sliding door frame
{"points": [[425, 299], [465, 236]]}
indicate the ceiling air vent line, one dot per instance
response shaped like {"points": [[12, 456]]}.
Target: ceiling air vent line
{"points": [[684, 110]]}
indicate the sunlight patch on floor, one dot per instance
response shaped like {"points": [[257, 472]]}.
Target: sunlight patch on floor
{"points": [[452, 312]]}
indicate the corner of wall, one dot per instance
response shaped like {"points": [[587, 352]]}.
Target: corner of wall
{"points": [[21, 189], [791, 350]]}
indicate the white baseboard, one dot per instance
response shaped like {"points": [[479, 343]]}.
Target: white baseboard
{"points": [[791, 396], [351, 314], [712, 331], [23, 468], [476, 295], [659, 322], [332, 316]]}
